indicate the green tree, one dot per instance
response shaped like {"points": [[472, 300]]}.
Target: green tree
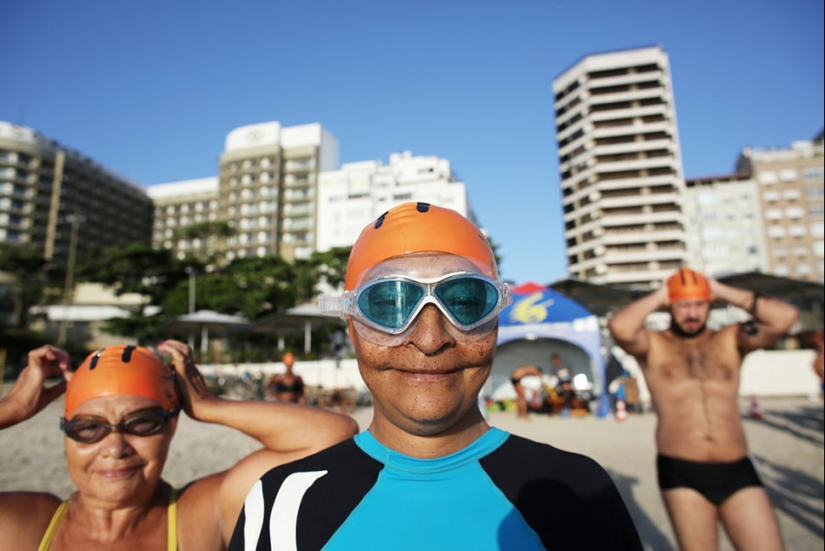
{"points": [[30, 281], [137, 268], [250, 287], [207, 232]]}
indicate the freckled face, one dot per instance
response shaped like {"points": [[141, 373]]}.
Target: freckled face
{"points": [[690, 315], [430, 382], [120, 468]]}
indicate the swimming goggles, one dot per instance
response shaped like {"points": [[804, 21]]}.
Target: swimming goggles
{"points": [[140, 423], [391, 304]]}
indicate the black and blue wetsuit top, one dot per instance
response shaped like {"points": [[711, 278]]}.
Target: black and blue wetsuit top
{"points": [[501, 492]]}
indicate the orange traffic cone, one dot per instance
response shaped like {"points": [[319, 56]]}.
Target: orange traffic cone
{"points": [[621, 410], [755, 411]]}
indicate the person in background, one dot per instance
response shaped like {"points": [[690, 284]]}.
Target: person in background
{"points": [[521, 396], [287, 386], [422, 298], [121, 413], [693, 373]]}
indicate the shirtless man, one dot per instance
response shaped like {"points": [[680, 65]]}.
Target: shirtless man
{"points": [[693, 375]]}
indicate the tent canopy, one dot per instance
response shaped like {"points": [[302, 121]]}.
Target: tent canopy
{"points": [[203, 322], [304, 318], [542, 314]]}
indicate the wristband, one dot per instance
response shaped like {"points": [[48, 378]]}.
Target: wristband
{"points": [[752, 309]]}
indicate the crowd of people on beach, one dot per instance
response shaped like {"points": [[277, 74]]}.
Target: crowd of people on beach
{"points": [[421, 299]]}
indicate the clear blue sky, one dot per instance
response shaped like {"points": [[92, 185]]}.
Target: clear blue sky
{"points": [[151, 88]]}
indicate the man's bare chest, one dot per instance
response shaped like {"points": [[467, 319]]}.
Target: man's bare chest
{"points": [[706, 360]]}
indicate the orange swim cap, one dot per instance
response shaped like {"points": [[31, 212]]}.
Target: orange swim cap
{"points": [[688, 284], [417, 228], [118, 370], [289, 357]]}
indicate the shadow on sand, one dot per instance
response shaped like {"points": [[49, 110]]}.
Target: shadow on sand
{"points": [[804, 422], [795, 493], [652, 537]]}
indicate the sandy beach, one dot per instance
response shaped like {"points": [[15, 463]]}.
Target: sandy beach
{"points": [[787, 445]]}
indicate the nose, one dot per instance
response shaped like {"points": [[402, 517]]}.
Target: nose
{"points": [[115, 444], [430, 333]]}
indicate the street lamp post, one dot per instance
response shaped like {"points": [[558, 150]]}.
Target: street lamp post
{"points": [[192, 273], [192, 280], [75, 220]]}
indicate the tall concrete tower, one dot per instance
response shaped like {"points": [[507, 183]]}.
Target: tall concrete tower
{"points": [[621, 170]]}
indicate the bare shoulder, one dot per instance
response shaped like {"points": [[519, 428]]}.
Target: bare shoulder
{"points": [[199, 514], [24, 517]]}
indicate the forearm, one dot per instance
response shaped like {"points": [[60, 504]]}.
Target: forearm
{"points": [[10, 413], [775, 315], [279, 426], [626, 324]]}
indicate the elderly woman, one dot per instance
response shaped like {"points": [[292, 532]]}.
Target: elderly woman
{"points": [[121, 412]]}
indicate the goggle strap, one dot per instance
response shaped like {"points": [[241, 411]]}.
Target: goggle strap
{"points": [[336, 306]]}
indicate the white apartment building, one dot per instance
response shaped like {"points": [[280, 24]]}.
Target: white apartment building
{"points": [[621, 170], [790, 182], [358, 193], [723, 219], [268, 188], [181, 205]]}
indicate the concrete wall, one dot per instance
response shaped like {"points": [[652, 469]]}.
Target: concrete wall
{"points": [[764, 374]]}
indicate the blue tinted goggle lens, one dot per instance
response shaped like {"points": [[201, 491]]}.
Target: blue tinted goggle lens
{"points": [[392, 303]]}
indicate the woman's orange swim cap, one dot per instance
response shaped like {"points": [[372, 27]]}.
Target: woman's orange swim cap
{"points": [[417, 228], [119, 370], [688, 284]]}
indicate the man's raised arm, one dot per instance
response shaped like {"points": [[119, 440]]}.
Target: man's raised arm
{"points": [[627, 326], [771, 317]]}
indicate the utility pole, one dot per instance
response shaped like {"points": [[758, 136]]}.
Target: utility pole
{"points": [[75, 220]]}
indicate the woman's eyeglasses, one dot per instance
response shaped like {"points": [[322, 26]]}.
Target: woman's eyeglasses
{"points": [[141, 423]]}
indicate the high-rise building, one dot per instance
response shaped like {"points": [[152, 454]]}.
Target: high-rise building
{"points": [[790, 182], [49, 192], [268, 185], [723, 219], [182, 206], [350, 198], [621, 169]]}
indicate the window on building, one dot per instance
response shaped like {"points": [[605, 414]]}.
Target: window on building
{"points": [[813, 173], [819, 248], [817, 229], [803, 268], [815, 210], [770, 196], [800, 252], [797, 230], [767, 178], [773, 214], [776, 232], [780, 252], [794, 212], [787, 174], [791, 194], [814, 192], [781, 270]]}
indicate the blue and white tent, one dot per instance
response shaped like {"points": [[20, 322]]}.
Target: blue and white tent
{"points": [[540, 322]]}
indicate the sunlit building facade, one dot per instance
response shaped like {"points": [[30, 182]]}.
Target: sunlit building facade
{"points": [[358, 193], [723, 218], [48, 191], [621, 170], [184, 205], [790, 188], [268, 188]]}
